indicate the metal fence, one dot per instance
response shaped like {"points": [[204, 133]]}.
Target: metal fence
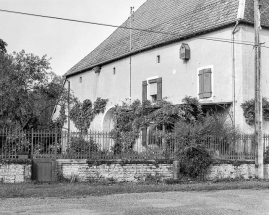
{"points": [[100, 146]]}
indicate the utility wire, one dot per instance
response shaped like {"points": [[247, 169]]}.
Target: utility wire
{"points": [[129, 28]]}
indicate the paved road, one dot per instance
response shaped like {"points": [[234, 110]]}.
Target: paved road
{"points": [[254, 202]]}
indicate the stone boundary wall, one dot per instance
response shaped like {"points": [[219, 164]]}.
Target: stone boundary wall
{"points": [[15, 172], [84, 171]]}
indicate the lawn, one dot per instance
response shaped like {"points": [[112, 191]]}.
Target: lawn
{"points": [[68, 190]]}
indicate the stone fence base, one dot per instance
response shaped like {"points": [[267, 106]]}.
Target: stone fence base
{"points": [[83, 171], [14, 172]]}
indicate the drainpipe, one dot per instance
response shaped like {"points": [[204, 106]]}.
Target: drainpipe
{"points": [[68, 109], [233, 75]]}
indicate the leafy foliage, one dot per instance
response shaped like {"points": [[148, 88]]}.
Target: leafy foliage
{"points": [[82, 114], [78, 146], [194, 161], [3, 45], [28, 90], [129, 119], [249, 110], [214, 125]]}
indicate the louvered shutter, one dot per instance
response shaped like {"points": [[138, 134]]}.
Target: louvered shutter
{"points": [[144, 90], [201, 84], [207, 83], [159, 89]]}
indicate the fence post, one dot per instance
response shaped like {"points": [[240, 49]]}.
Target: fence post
{"points": [[176, 170], [55, 143], [32, 143]]}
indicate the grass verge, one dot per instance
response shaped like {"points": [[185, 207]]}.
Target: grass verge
{"points": [[68, 190]]}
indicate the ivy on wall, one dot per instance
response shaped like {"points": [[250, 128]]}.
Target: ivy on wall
{"points": [[130, 119], [249, 110], [61, 119], [82, 114]]}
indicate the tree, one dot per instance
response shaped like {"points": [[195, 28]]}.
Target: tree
{"points": [[3, 45], [28, 90], [249, 110]]}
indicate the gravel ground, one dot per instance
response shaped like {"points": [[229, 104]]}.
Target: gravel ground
{"points": [[234, 202]]}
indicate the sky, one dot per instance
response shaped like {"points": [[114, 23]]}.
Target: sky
{"points": [[66, 43]]}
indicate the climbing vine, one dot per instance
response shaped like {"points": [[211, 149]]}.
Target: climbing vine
{"points": [[249, 110], [82, 114], [130, 119], [61, 119]]}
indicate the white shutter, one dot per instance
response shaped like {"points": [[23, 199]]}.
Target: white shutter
{"points": [[153, 89]]}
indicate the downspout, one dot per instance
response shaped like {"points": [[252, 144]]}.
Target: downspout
{"points": [[68, 109], [131, 22], [56, 103], [240, 16], [233, 74]]}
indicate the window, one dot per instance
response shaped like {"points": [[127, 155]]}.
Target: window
{"points": [[205, 83], [80, 79], [152, 89], [158, 60], [114, 70]]}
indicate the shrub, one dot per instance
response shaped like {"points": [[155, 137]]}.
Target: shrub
{"points": [[78, 146], [194, 161]]}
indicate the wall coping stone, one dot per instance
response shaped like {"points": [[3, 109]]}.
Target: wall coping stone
{"points": [[75, 161], [15, 161], [146, 162], [122, 162]]}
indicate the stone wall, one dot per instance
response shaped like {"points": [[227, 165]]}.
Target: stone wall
{"points": [[81, 170], [246, 171], [14, 172], [129, 172]]}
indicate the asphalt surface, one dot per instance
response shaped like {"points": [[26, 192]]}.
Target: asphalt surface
{"points": [[235, 202]]}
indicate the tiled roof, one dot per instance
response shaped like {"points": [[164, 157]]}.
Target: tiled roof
{"points": [[179, 18]]}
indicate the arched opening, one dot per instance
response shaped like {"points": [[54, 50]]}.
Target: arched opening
{"points": [[107, 127], [108, 122]]}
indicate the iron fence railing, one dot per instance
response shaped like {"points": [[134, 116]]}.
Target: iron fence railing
{"points": [[100, 146]]}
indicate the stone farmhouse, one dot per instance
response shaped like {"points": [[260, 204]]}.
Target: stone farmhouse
{"points": [[198, 48]]}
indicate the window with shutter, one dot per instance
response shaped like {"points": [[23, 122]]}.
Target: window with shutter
{"points": [[205, 83], [155, 89]]}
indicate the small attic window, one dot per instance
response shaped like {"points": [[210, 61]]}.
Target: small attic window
{"points": [[114, 70], [158, 59], [80, 79]]}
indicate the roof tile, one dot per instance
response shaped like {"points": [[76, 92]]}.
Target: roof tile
{"points": [[179, 18]]}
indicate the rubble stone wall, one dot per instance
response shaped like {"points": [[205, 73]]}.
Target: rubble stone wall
{"points": [[80, 170], [15, 173], [83, 171]]}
